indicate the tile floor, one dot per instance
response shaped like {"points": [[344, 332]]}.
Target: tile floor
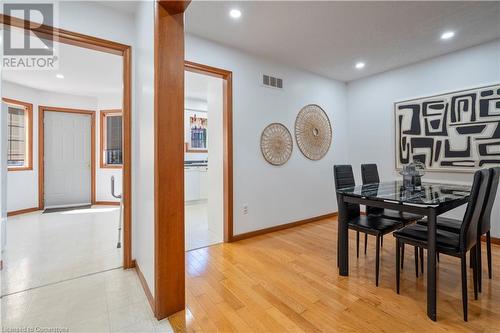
{"points": [[69, 244], [79, 286], [111, 301], [197, 233]]}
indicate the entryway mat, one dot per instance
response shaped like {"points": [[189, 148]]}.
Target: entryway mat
{"points": [[65, 209]]}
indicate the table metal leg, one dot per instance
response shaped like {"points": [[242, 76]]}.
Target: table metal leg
{"points": [[431, 264], [343, 237]]}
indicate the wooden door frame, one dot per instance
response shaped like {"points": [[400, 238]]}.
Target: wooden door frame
{"points": [[227, 77], [41, 149], [125, 51], [169, 251]]}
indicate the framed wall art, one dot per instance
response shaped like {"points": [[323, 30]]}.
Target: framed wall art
{"points": [[456, 131]]}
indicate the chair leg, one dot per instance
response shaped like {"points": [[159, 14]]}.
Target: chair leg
{"points": [[382, 241], [479, 264], [488, 253], [377, 260], [402, 255], [463, 263], [398, 269], [416, 261], [338, 251], [366, 241], [437, 256], [357, 244], [473, 255], [422, 259]]}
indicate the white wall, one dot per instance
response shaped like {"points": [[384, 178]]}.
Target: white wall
{"points": [[3, 176], [215, 207], [22, 186], [92, 18], [371, 113], [301, 188], [143, 141]]}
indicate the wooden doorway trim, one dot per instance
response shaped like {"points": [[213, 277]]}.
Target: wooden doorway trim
{"points": [[227, 77], [41, 150], [169, 252], [103, 45]]}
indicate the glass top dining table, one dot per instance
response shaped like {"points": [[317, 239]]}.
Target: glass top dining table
{"points": [[430, 199], [429, 194]]}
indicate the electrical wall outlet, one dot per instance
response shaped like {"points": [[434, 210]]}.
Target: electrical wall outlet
{"points": [[245, 210]]}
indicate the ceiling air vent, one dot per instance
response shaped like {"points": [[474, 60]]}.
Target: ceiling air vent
{"points": [[271, 81]]}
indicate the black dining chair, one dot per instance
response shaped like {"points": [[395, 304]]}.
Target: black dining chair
{"points": [[367, 224], [369, 175], [454, 225], [451, 243]]}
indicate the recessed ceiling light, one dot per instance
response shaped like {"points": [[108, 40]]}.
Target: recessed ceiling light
{"points": [[447, 35], [60, 76], [360, 65], [235, 13]]}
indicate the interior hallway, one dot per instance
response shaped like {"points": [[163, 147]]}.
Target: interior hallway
{"points": [[47, 248]]}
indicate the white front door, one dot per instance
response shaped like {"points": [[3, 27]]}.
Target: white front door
{"points": [[67, 159]]}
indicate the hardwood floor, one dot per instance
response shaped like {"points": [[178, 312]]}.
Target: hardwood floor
{"points": [[287, 281]]}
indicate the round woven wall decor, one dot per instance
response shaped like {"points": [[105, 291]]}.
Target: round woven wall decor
{"points": [[313, 132], [276, 144]]}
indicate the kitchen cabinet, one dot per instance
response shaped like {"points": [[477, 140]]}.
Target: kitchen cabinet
{"points": [[195, 183]]}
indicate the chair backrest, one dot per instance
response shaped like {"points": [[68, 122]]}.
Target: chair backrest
{"points": [[475, 208], [344, 177], [369, 173], [485, 224]]}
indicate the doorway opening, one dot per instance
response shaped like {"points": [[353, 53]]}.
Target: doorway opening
{"points": [[203, 84], [203, 160], [72, 223]]}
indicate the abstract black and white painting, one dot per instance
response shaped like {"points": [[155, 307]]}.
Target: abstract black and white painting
{"points": [[457, 131]]}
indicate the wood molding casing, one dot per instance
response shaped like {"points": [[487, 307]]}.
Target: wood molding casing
{"points": [[127, 158], [66, 36], [174, 6], [102, 45], [282, 227], [41, 149], [145, 286], [169, 248], [197, 151], [22, 211], [28, 107], [107, 203], [227, 95]]}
